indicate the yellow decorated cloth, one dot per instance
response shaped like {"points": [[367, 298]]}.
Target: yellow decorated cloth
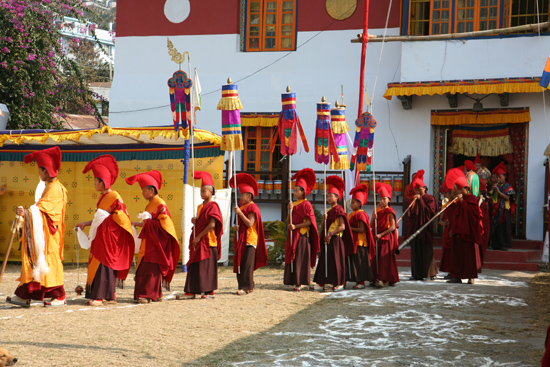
{"points": [[485, 86], [334, 226], [339, 126], [251, 232], [343, 164], [468, 117], [230, 104], [232, 142], [52, 205], [259, 120]]}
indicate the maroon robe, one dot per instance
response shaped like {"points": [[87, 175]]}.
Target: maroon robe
{"points": [[361, 261], [202, 251], [447, 241], [422, 254], [336, 251], [386, 246], [467, 232], [240, 246], [301, 212], [486, 229]]}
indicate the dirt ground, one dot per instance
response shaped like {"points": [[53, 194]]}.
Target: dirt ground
{"points": [[499, 321]]}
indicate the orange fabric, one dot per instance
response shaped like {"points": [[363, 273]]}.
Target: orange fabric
{"points": [[52, 205], [165, 221], [93, 265], [361, 236], [251, 232], [120, 218], [212, 239]]}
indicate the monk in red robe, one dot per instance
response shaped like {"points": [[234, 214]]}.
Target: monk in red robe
{"points": [[338, 241], [408, 193], [302, 241], [446, 239], [159, 250], [249, 243], [362, 237], [204, 244], [43, 232], [111, 235], [384, 263], [422, 254], [467, 232]]}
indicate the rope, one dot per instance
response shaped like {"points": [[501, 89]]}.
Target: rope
{"points": [[380, 57]]}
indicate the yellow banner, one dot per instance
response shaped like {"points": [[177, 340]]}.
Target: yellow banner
{"points": [[21, 180]]}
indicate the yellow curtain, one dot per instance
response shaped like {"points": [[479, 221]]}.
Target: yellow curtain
{"points": [[509, 116], [497, 86], [259, 120]]}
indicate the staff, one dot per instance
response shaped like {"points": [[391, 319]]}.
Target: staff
{"points": [[405, 212], [14, 227], [408, 240]]}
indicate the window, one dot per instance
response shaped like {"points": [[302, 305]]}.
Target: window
{"points": [[270, 25], [257, 152], [429, 17]]}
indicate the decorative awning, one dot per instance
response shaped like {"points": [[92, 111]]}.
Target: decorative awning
{"points": [[472, 86], [257, 119], [485, 117], [105, 135]]}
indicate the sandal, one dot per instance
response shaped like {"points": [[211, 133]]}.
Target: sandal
{"points": [[338, 288], [186, 296], [95, 302], [379, 284], [18, 301], [241, 292], [208, 295], [359, 286], [109, 301], [55, 302], [143, 300], [296, 289], [471, 281]]}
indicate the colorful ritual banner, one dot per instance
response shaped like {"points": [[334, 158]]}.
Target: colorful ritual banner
{"points": [[339, 129], [231, 118], [363, 143], [288, 127], [487, 140], [180, 100], [325, 147]]}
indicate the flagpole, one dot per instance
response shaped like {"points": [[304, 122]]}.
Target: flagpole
{"points": [[290, 190], [325, 222], [192, 137]]}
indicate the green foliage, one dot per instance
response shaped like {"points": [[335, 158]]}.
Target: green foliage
{"points": [[318, 218], [277, 231], [38, 81]]}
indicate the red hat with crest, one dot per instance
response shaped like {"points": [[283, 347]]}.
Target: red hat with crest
{"points": [[206, 179], [245, 183], [104, 167], [305, 179], [360, 193], [49, 159], [500, 169], [335, 185], [383, 189], [418, 180], [151, 178]]}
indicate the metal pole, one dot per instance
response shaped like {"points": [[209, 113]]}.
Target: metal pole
{"points": [[236, 202], [192, 137], [290, 199], [8, 250]]}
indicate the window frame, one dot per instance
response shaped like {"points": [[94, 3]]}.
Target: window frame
{"points": [[273, 157], [245, 46]]}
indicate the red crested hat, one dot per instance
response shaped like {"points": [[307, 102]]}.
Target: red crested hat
{"points": [[443, 188], [361, 193], [335, 185], [451, 177], [500, 169], [151, 178], [104, 167], [383, 189], [418, 179], [470, 165], [49, 158], [305, 179], [245, 183], [460, 182], [478, 159], [206, 179]]}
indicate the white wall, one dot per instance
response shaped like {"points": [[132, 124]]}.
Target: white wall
{"points": [[317, 69]]}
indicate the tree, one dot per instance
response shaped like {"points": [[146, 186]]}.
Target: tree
{"points": [[88, 57], [38, 82]]}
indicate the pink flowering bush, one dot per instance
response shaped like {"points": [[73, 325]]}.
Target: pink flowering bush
{"points": [[38, 82]]}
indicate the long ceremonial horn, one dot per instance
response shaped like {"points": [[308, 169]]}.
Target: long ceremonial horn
{"points": [[405, 212], [408, 240], [8, 250]]}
